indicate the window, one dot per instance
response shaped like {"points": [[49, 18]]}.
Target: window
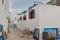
{"points": [[2, 1], [32, 14], [24, 18], [20, 18]]}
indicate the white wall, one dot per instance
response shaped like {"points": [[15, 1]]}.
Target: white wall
{"points": [[30, 23], [3, 14], [46, 16], [49, 17], [19, 24], [33, 23]]}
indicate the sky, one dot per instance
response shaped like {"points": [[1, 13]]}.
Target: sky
{"points": [[16, 6], [21, 5]]}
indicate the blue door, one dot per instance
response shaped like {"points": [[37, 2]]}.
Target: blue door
{"points": [[14, 25], [1, 37]]}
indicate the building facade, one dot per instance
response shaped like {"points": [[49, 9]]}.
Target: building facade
{"points": [[40, 16], [4, 13]]}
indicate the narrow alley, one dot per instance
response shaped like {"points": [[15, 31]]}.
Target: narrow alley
{"points": [[16, 34], [29, 19]]}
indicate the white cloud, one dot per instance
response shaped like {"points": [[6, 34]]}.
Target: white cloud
{"points": [[13, 12]]}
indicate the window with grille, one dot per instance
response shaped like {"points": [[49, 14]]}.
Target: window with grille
{"points": [[32, 14], [20, 18]]}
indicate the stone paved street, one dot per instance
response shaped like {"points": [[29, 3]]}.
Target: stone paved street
{"points": [[16, 34]]}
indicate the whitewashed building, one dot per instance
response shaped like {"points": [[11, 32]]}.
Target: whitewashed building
{"points": [[29, 20], [41, 16], [4, 13]]}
